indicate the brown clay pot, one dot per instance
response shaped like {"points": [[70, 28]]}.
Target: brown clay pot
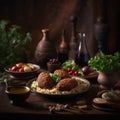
{"points": [[45, 49], [108, 80]]}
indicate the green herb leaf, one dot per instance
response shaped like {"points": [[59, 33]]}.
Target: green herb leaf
{"points": [[4, 78], [105, 63], [71, 64], [13, 43], [111, 95], [56, 78]]}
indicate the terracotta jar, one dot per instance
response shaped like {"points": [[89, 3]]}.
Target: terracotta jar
{"points": [[108, 80], [63, 48], [45, 49]]}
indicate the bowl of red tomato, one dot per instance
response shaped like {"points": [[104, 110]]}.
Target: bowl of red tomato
{"points": [[22, 70]]}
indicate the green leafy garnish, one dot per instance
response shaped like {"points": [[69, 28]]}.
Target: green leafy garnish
{"points": [[4, 78], [105, 63], [72, 65], [56, 78], [111, 95], [13, 43]]}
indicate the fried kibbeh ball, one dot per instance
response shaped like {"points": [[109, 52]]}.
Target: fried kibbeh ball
{"points": [[44, 80], [61, 73], [66, 84]]}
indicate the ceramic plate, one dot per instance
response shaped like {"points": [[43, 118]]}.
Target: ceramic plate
{"points": [[83, 86], [109, 108]]}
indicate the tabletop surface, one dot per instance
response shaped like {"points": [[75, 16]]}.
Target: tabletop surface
{"points": [[40, 106]]}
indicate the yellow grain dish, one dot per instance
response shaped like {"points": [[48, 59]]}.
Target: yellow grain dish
{"points": [[83, 85]]}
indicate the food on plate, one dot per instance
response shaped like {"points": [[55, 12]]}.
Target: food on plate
{"points": [[61, 73], [72, 68], [23, 67], [80, 88], [67, 84], [99, 94], [56, 78], [108, 99], [100, 102], [44, 80], [111, 96], [53, 84]]}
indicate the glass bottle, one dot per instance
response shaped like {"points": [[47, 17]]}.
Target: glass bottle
{"points": [[63, 48], [82, 55]]}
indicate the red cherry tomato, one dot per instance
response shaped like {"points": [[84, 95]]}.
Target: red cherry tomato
{"points": [[14, 68], [68, 69], [70, 72], [75, 73], [21, 70]]}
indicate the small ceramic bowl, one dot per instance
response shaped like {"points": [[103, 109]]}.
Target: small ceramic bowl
{"points": [[17, 94], [53, 67], [22, 75]]}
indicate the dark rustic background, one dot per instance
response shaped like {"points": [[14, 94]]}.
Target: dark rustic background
{"points": [[34, 15]]}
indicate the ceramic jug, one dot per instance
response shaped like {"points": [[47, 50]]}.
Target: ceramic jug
{"points": [[45, 49]]}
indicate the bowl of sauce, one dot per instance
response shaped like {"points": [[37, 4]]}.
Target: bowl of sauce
{"points": [[17, 94]]}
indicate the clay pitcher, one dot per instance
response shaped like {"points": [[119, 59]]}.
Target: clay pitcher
{"points": [[45, 49]]}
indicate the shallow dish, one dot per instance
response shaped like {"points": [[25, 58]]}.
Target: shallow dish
{"points": [[84, 86], [17, 94], [22, 75]]}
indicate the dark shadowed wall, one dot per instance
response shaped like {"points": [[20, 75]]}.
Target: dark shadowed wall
{"points": [[34, 15]]}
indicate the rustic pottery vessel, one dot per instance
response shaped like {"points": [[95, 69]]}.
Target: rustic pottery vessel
{"points": [[45, 49], [101, 33], [108, 80], [63, 48], [73, 44]]}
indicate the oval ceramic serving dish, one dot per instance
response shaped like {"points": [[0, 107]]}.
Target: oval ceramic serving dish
{"points": [[83, 86]]}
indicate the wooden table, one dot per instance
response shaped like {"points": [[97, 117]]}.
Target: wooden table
{"points": [[34, 107]]}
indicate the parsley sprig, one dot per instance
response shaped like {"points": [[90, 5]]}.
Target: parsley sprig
{"points": [[105, 62]]}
